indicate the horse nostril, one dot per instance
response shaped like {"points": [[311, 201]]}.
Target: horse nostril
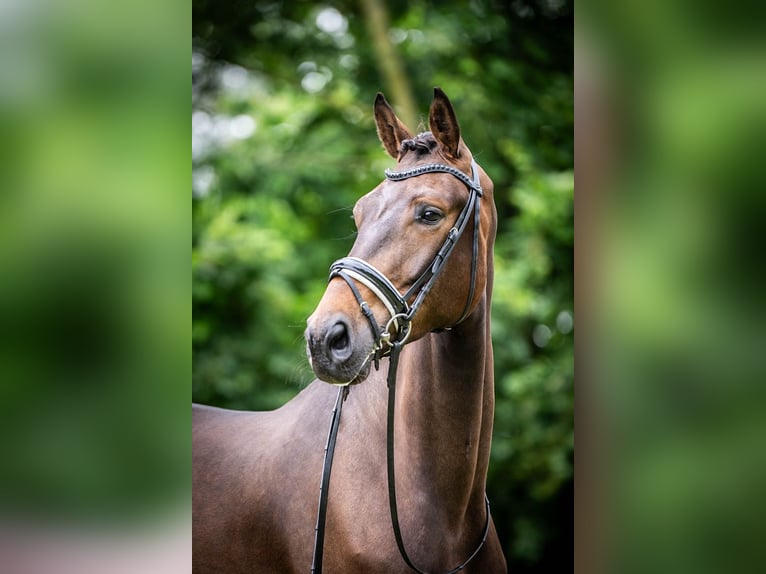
{"points": [[337, 342]]}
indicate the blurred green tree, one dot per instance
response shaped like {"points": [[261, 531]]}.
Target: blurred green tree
{"points": [[283, 144]]}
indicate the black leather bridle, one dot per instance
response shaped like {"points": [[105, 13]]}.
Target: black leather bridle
{"points": [[402, 313]]}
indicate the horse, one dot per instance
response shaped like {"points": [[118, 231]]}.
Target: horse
{"points": [[412, 298]]}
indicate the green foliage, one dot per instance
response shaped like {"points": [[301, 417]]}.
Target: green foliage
{"points": [[284, 144]]}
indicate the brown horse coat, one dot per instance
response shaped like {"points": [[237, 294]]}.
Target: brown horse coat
{"points": [[256, 476]]}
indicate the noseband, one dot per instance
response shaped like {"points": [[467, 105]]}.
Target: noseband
{"points": [[402, 313]]}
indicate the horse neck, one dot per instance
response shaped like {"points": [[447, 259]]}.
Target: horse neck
{"points": [[444, 412]]}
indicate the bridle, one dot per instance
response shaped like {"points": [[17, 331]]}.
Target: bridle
{"points": [[402, 313], [352, 269]]}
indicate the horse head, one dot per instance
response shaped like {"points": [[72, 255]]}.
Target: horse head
{"points": [[420, 260]]}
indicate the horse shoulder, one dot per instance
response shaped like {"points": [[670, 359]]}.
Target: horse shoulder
{"points": [[253, 476]]}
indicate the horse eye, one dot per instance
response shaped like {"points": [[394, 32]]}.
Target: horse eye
{"points": [[430, 216]]}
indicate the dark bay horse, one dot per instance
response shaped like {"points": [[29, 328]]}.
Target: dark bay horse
{"points": [[256, 476]]}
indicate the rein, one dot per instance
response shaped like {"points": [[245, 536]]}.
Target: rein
{"points": [[396, 348], [351, 270]]}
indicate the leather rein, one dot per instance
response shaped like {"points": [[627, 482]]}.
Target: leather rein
{"points": [[352, 270]]}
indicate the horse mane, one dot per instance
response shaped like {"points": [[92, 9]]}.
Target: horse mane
{"points": [[422, 144]]}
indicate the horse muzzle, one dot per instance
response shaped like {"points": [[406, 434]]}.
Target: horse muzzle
{"points": [[338, 351]]}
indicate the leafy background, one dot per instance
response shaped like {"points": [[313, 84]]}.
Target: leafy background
{"points": [[283, 143]]}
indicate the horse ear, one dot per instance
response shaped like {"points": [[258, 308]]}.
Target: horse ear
{"points": [[391, 130], [443, 124]]}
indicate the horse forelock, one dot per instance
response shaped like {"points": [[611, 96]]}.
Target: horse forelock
{"points": [[421, 144], [425, 144]]}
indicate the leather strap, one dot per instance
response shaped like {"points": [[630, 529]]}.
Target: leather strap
{"points": [[324, 486], [393, 365]]}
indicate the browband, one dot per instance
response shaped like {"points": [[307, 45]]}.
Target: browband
{"points": [[472, 183]]}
